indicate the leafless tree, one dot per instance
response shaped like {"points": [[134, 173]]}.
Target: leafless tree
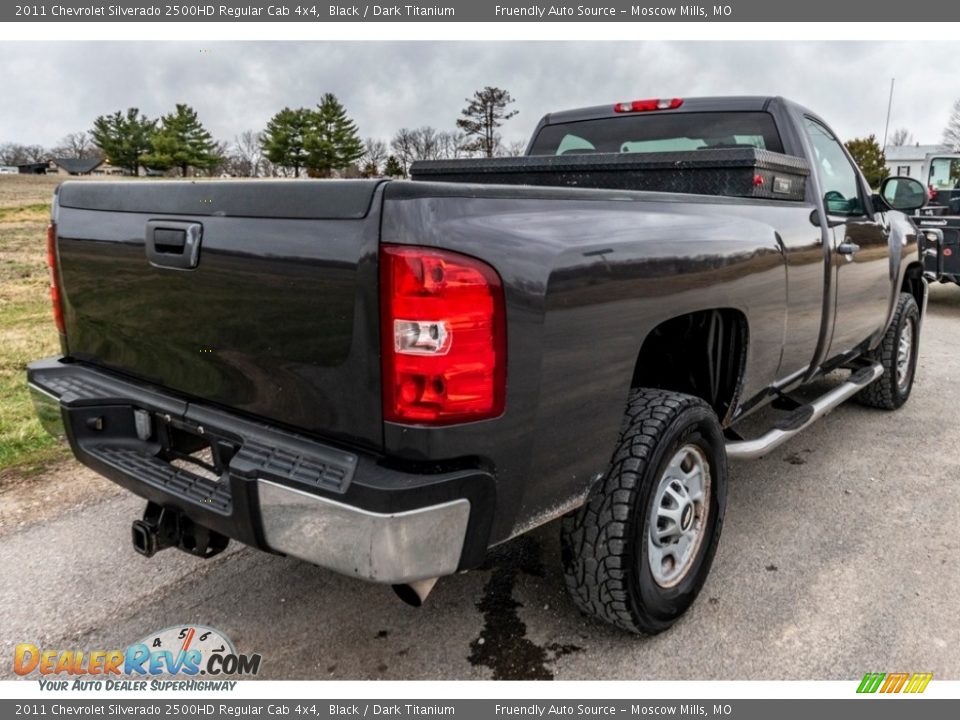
{"points": [[268, 169], [17, 154], [951, 134], [452, 145], [515, 148], [901, 137], [427, 143], [10, 154], [246, 155], [37, 153], [403, 145], [375, 155], [77, 146]]}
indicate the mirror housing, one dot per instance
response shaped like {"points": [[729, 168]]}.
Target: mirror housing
{"points": [[902, 193]]}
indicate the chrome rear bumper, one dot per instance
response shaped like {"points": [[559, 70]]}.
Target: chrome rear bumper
{"points": [[273, 490], [48, 411], [387, 548]]}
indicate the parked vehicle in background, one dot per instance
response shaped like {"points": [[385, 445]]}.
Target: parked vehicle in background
{"points": [[941, 172], [939, 221], [910, 160], [388, 378]]}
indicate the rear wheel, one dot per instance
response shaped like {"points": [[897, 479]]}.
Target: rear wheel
{"points": [[638, 552], [897, 354]]}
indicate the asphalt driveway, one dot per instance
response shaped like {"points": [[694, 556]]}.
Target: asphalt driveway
{"points": [[840, 555]]}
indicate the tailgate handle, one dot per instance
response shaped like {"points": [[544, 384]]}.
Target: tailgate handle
{"points": [[169, 241], [173, 244]]}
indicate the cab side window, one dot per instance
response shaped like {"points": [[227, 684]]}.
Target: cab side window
{"points": [[837, 176]]}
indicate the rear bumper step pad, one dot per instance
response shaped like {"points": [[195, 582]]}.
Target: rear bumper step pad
{"points": [[270, 489]]}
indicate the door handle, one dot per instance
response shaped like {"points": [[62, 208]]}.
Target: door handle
{"points": [[848, 247], [173, 244]]}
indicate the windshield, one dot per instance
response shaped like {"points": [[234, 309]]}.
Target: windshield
{"points": [[944, 173], [667, 132]]}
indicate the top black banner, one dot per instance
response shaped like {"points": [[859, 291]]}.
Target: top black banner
{"points": [[483, 11]]}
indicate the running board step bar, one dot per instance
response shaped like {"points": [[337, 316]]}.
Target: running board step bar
{"points": [[804, 416]]}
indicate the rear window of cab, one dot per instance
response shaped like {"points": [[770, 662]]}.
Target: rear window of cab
{"points": [[655, 132]]}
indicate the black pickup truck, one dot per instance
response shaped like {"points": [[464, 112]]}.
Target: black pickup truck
{"points": [[388, 378]]}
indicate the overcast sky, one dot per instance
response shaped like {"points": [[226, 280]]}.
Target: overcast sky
{"points": [[50, 89]]}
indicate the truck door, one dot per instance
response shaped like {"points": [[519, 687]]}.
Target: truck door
{"points": [[943, 181], [860, 250]]}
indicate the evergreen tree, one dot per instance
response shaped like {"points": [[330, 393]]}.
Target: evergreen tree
{"points": [[484, 113], [284, 138], [182, 142], [393, 168], [867, 153], [332, 142], [124, 138]]}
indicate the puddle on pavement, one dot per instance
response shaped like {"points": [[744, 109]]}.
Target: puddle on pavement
{"points": [[503, 645]]}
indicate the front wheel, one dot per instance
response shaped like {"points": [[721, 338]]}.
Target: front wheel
{"points": [[638, 552], [897, 354]]}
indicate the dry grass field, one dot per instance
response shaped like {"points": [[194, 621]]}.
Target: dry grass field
{"points": [[26, 322]]}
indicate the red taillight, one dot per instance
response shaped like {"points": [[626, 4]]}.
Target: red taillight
{"points": [[443, 337], [54, 277], [648, 105]]}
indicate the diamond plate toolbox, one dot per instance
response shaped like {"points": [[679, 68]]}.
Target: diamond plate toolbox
{"points": [[734, 172]]}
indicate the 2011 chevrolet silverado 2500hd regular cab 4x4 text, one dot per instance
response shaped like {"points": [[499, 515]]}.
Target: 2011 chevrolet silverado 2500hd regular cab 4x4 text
{"points": [[387, 378]]}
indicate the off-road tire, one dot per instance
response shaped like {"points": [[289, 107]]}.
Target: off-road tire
{"points": [[886, 392], [604, 543]]}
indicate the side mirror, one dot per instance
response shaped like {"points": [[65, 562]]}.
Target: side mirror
{"points": [[903, 193]]}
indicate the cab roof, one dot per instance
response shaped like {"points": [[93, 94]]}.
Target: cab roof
{"points": [[736, 103]]}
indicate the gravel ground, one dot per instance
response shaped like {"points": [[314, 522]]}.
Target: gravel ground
{"points": [[839, 556]]}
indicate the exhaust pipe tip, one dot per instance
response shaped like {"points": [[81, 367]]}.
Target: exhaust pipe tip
{"points": [[415, 593]]}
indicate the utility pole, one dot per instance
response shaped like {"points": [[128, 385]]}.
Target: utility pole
{"points": [[886, 128]]}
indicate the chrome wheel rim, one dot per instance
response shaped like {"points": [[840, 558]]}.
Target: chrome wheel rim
{"points": [[904, 354], [678, 516]]}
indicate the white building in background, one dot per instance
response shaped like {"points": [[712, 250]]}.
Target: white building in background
{"points": [[908, 160]]}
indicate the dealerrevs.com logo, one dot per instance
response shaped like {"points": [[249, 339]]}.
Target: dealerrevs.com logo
{"points": [[183, 651]]}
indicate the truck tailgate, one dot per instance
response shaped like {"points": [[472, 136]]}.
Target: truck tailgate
{"points": [[275, 315]]}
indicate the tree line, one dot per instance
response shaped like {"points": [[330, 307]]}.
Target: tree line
{"points": [[322, 141]]}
